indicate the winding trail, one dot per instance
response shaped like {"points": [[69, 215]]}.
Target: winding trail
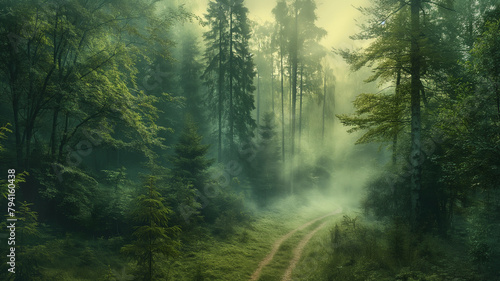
{"points": [[297, 252]]}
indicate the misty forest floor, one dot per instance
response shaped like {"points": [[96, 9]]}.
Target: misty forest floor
{"points": [[364, 251], [239, 256], [206, 257]]}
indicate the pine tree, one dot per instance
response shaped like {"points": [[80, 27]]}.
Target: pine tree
{"points": [[190, 161], [266, 173], [154, 239], [297, 36], [190, 69], [409, 52], [230, 71], [189, 172]]}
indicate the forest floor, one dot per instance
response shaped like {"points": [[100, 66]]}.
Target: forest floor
{"points": [[267, 248], [271, 246]]}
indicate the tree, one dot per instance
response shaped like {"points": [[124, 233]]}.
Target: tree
{"points": [[154, 239], [190, 162], [297, 35], [265, 169], [408, 51], [189, 172], [230, 71], [280, 12], [190, 72], [51, 61]]}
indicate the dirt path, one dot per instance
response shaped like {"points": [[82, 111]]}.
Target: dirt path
{"points": [[255, 276], [297, 253]]}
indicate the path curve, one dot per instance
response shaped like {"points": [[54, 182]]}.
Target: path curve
{"points": [[255, 276], [297, 253]]}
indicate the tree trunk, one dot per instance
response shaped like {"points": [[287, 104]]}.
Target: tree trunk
{"points": [[294, 63], [231, 107], [64, 139], [396, 108], [272, 81], [258, 99], [415, 152], [282, 108], [53, 145], [221, 79], [324, 109], [17, 129], [300, 107]]}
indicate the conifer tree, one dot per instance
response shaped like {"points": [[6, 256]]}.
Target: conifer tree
{"points": [[265, 175], [230, 71], [154, 239], [190, 160], [189, 172], [409, 52]]}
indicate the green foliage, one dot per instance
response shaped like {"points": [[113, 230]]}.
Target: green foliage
{"points": [[229, 74], [3, 135], [153, 238], [393, 252], [110, 276], [189, 173], [225, 211], [381, 117], [70, 194], [264, 168], [30, 256], [113, 197], [190, 160]]}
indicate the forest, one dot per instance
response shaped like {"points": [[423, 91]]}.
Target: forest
{"points": [[251, 140]]}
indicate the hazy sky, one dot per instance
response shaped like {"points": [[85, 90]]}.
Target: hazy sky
{"points": [[336, 16]]}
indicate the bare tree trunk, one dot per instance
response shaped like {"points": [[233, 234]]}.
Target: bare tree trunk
{"points": [[324, 109], [258, 99], [416, 151], [221, 79], [294, 63], [282, 108], [17, 129], [231, 107], [396, 108], [272, 81], [300, 108], [53, 145]]}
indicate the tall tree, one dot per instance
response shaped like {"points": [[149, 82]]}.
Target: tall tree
{"points": [[229, 59], [298, 32], [216, 57], [408, 52], [280, 12], [75, 61]]}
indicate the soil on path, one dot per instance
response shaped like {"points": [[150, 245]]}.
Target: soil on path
{"points": [[298, 251]]}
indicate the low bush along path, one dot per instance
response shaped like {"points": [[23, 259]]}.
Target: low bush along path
{"points": [[296, 253]]}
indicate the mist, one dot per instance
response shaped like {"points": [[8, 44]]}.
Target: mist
{"points": [[195, 140]]}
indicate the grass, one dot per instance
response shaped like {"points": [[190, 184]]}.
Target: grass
{"points": [[275, 270], [233, 259], [209, 258], [371, 252]]}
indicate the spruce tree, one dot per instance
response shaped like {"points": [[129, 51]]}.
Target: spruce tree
{"points": [[189, 172], [265, 174], [230, 72], [154, 239], [190, 162]]}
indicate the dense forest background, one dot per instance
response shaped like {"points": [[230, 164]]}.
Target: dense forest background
{"points": [[176, 140]]}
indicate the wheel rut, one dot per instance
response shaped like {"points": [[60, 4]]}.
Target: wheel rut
{"points": [[298, 249]]}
